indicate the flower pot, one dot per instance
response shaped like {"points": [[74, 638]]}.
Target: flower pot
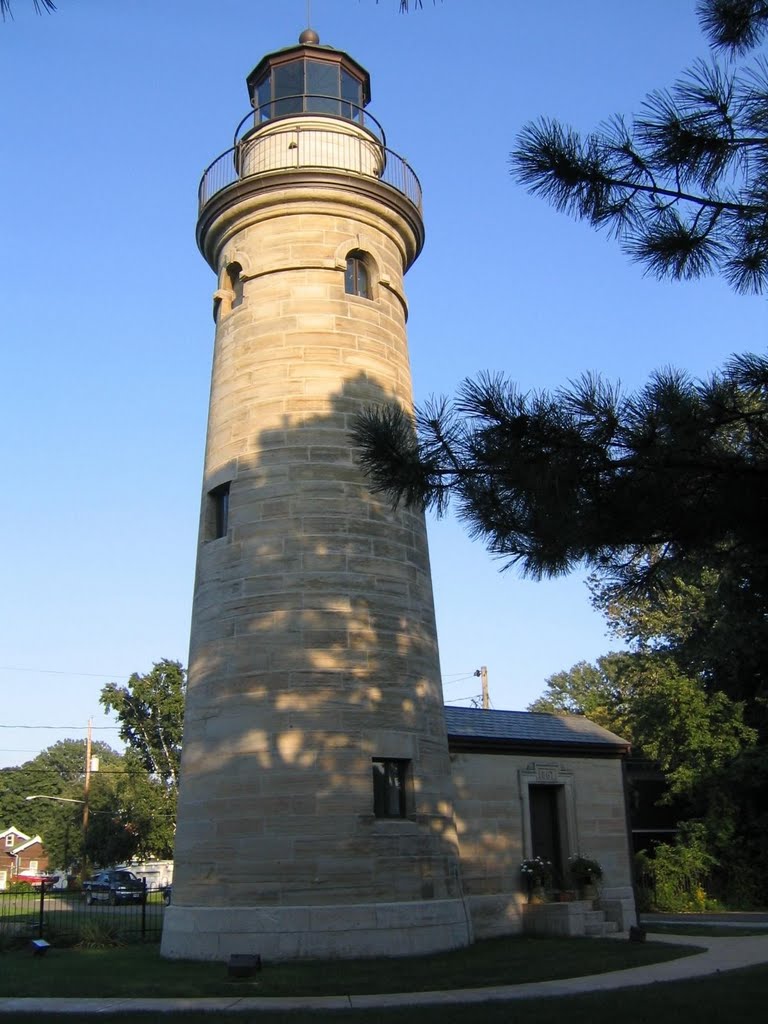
{"points": [[537, 894], [588, 891]]}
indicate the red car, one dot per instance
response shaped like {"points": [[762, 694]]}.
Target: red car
{"points": [[36, 878]]}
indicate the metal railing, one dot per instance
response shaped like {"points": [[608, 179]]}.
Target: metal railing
{"points": [[309, 148], [309, 103], [61, 915]]}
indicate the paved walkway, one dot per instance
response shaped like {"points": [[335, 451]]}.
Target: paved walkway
{"points": [[718, 954]]}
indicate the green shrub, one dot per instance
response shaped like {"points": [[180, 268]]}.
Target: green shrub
{"points": [[678, 874], [98, 934], [583, 870], [20, 887]]}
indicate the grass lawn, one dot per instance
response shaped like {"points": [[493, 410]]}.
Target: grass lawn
{"points": [[138, 970], [734, 996]]}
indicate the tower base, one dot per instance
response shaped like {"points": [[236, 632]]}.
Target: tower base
{"points": [[342, 932]]}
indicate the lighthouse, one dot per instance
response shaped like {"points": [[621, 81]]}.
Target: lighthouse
{"points": [[315, 814]]}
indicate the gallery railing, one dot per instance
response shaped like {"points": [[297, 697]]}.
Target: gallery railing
{"points": [[318, 146]]}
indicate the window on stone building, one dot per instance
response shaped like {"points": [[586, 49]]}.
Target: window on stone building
{"points": [[218, 512], [389, 786], [357, 279], [234, 274]]}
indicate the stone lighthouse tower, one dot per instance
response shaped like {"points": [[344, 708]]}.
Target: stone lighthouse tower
{"points": [[315, 814]]}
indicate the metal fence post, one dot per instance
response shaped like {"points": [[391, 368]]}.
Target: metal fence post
{"points": [[42, 906], [143, 909]]}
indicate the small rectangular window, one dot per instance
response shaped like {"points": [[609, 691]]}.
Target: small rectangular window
{"points": [[389, 784], [9, 840], [218, 512]]}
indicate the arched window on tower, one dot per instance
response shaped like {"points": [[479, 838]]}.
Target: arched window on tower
{"points": [[234, 275], [357, 277]]}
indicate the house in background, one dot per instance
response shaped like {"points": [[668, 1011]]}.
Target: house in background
{"points": [[24, 860]]}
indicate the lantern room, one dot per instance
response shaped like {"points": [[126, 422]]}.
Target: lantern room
{"points": [[309, 79]]}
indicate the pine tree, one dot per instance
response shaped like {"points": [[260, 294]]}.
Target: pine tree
{"points": [[684, 187]]}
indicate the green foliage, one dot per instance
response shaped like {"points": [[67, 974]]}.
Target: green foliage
{"points": [[130, 812], [583, 870], [690, 733], [58, 771], [600, 692], [98, 934], [679, 873], [636, 487], [685, 187], [151, 713], [21, 887]]}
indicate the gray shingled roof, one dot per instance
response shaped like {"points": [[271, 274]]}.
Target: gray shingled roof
{"points": [[527, 727]]}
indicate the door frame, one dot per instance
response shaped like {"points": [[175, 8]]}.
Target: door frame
{"points": [[539, 773]]}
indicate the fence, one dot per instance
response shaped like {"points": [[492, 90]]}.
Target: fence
{"points": [[65, 915]]}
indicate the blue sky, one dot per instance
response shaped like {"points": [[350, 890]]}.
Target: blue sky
{"points": [[111, 111]]}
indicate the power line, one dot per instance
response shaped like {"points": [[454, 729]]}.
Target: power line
{"points": [[65, 672], [79, 728], [461, 679]]}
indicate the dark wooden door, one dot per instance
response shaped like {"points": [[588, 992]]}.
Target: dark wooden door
{"points": [[546, 838]]}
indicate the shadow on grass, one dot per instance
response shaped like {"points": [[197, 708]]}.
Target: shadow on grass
{"points": [[733, 996], [138, 970]]}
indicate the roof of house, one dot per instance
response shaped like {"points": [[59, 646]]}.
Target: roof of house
{"points": [[527, 730], [14, 831], [27, 844]]}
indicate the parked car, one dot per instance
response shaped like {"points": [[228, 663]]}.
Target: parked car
{"points": [[36, 879], [113, 886], [166, 891]]}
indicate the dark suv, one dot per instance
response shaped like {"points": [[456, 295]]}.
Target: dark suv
{"points": [[113, 886]]}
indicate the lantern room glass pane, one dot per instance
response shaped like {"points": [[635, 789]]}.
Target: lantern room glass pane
{"points": [[263, 96], [352, 91], [288, 81], [322, 78], [322, 82]]}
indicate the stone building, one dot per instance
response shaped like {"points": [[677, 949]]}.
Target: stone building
{"points": [[316, 813]]}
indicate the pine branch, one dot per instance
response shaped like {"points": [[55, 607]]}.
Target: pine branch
{"points": [[734, 25], [6, 7]]}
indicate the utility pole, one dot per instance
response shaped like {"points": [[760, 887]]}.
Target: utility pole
{"points": [[482, 672], [87, 783]]}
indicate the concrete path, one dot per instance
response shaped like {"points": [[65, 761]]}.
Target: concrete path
{"points": [[718, 954]]}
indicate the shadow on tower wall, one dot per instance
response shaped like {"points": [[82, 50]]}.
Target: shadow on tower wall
{"points": [[313, 651]]}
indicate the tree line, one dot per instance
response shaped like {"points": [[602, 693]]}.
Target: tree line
{"points": [[131, 797]]}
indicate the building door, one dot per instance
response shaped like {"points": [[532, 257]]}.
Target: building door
{"points": [[546, 831]]}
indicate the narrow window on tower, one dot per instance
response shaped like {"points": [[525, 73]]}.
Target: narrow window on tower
{"points": [[234, 274], [389, 784], [357, 280], [218, 512]]}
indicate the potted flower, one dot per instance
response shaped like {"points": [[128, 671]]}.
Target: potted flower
{"points": [[537, 875], [585, 873]]}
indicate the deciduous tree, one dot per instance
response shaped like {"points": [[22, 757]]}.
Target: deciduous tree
{"points": [[150, 710]]}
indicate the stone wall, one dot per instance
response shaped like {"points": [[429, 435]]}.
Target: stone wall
{"points": [[313, 645], [494, 833]]}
